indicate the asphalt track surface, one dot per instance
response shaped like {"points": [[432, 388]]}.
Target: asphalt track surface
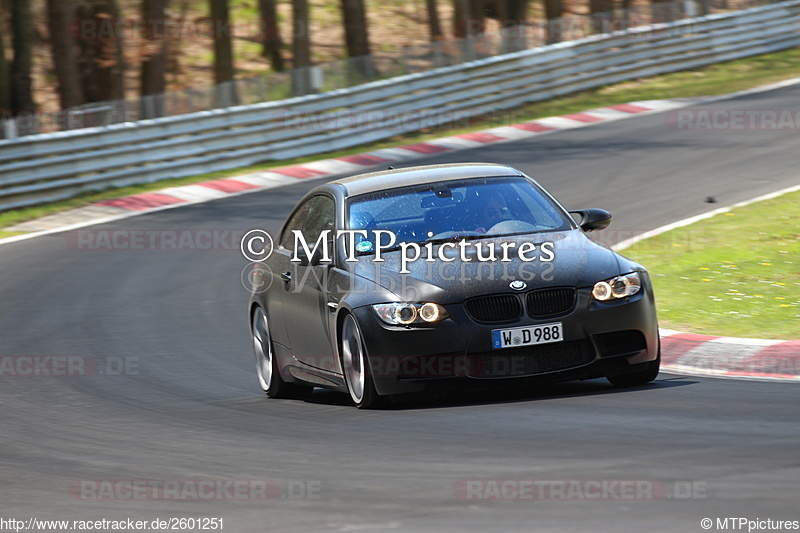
{"points": [[170, 391]]}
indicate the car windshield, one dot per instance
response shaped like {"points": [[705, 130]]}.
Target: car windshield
{"points": [[473, 208]]}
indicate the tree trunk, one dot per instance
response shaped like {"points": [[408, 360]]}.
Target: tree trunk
{"points": [[67, 66], [434, 23], [513, 16], [479, 10], [23, 34], [602, 14], [462, 18], [467, 19], [301, 48], [224, 75], [663, 11], [555, 28], [103, 72], [152, 79], [356, 31], [5, 82], [272, 34], [626, 14], [355, 28]]}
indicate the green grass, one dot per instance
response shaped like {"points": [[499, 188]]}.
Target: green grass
{"points": [[713, 80], [735, 274]]}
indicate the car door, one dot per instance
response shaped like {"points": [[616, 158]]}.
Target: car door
{"points": [[306, 296], [279, 266]]}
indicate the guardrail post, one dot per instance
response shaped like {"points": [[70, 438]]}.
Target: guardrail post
{"points": [[10, 129]]}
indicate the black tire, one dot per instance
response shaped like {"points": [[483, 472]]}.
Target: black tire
{"points": [[355, 366], [647, 373], [267, 369]]}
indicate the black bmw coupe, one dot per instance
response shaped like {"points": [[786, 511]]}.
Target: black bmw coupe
{"points": [[450, 276]]}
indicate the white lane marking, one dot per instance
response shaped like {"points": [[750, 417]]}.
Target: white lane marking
{"points": [[561, 123], [266, 180], [334, 166], [456, 143], [691, 220], [193, 193]]}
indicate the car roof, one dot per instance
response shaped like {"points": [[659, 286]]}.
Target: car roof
{"points": [[402, 177]]}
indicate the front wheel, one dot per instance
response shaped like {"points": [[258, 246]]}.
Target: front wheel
{"points": [[356, 368], [267, 368]]}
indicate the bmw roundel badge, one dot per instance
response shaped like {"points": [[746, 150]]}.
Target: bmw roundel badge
{"points": [[518, 285]]}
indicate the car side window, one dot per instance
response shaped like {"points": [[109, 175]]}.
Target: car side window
{"points": [[312, 218]]}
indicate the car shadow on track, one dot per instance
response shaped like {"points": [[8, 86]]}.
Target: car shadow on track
{"points": [[550, 391]]}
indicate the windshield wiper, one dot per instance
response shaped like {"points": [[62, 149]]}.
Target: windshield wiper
{"points": [[456, 238]]}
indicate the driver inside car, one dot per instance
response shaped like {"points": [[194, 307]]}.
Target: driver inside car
{"points": [[493, 212]]}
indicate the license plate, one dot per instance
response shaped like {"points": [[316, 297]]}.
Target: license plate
{"points": [[527, 335]]}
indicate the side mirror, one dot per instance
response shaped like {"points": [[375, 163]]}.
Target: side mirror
{"points": [[593, 219]]}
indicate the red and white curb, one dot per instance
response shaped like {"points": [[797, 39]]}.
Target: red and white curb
{"points": [[137, 204], [729, 357]]}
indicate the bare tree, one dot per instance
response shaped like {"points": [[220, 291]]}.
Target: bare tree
{"points": [[664, 11], [356, 29], [553, 10], [152, 78], [301, 48], [5, 82], [103, 73], [60, 15], [467, 18], [271, 34], [21, 67], [602, 12], [434, 23], [224, 73], [512, 15]]}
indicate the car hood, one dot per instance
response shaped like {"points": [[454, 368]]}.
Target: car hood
{"points": [[576, 261]]}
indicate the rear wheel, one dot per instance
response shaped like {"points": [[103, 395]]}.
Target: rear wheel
{"points": [[267, 368], [647, 373], [356, 368]]}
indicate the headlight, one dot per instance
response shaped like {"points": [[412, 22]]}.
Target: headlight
{"points": [[618, 287], [404, 314]]}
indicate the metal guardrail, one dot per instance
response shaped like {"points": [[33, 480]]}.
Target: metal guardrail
{"points": [[47, 167]]}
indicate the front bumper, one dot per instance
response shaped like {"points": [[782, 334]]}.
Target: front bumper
{"points": [[599, 338]]}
